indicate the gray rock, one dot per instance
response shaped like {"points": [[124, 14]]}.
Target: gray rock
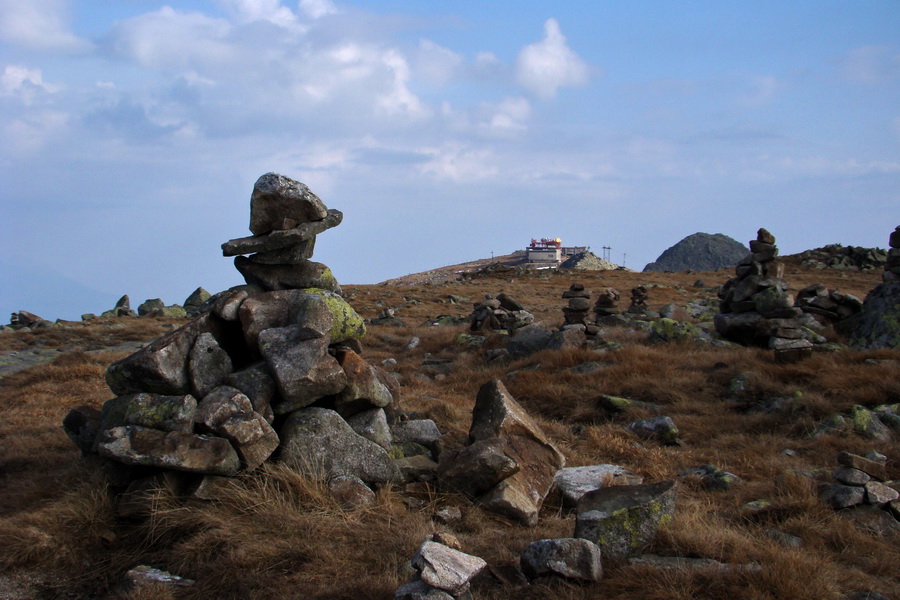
{"points": [[162, 366], [177, 450], [419, 431], [197, 302], [839, 496], [567, 339], [529, 339], [363, 389], [372, 425], [292, 255], [879, 494], [878, 324], [475, 469], [850, 476], [148, 306], [276, 198], [871, 467], [317, 442], [572, 558], [208, 364], [301, 365], [227, 304], [622, 520], [228, 413], [574, 482], [659, 428], [873, 520], [350, 491], [446, 569], [712, 477], [417, 468], [497, 415], [144, 574], [867, 424], [419, 590], [258, 385]]}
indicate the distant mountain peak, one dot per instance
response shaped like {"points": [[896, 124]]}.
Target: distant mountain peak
{"points": [[700, 252]]}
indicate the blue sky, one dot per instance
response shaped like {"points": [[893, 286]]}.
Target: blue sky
{"points": [[131, 132]]}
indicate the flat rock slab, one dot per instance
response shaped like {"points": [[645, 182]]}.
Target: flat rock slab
{"points": [[167, 413], [180, 451], [622, 520], [308, 274], [318, 443], [282, 240], [574, 482], [446, 569]]}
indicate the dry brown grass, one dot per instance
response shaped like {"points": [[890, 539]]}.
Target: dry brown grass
{"points": [[277, 535]]}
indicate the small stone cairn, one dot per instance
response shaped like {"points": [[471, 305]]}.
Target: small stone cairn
{"points": [[827, 306], [756, 308], [639, 297], [860, 482], [273, 363], [577, 311], [497, 314], [892, 266]]}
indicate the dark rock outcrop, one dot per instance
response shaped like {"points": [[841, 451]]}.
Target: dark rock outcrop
{"points": [[700, 252]]}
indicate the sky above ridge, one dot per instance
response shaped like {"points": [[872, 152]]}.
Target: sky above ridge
{"points": [[132, 131]]}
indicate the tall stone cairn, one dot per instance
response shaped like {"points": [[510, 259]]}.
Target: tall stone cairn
{"points": [[756, 309], [639, 297], [892, 266], [878, 323], [575, 314], [273, 363]]}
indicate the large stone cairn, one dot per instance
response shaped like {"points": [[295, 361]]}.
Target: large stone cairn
{"points": [[273, 363], [756, 308], [503, 313], [878, 323], [860, 488]]}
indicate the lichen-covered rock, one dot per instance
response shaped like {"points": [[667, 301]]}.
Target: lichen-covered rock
{"points": [[838, 495], [258, 385], [363, 389], [659, 428], [167, 413], [878, 324], [669, 330], [319, 443], [866, 423], [572, 558], [308, 274], [372, 425], [622, 520], [178, 450]]}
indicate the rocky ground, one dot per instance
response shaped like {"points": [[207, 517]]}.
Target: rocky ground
{"points": [[757, 449]]}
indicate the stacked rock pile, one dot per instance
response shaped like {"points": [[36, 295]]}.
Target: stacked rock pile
{"points": [[827, 306], [501, 313], [756, 309], [575, 315], [639, 297], [892, 266], [273, 363], [860, 482], [607, 303]]}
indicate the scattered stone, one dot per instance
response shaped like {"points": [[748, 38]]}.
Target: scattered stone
{"points": [[350, 491], [659, 428], [143, 574], [572, 558], [446, 569], [623, 519], [712, 477], [135, 445]]}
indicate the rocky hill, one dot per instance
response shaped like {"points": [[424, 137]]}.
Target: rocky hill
{"points": [[699, 252]]}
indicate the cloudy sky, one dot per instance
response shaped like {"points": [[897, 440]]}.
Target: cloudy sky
{"points": [[131, 132]]}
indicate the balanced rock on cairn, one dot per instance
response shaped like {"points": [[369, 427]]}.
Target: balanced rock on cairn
{"points": [[273, 364], [756, 308], [639, 297]]}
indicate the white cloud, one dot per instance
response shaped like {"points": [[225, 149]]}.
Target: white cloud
{"points": [[871, 64], [761, 90], [248, 11], [39, 25], [316, 9], [399, 100], [25, 83], [458, 163], [510, 115], [436, 64], [544, 67], [28, 134], [170, 39]]}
